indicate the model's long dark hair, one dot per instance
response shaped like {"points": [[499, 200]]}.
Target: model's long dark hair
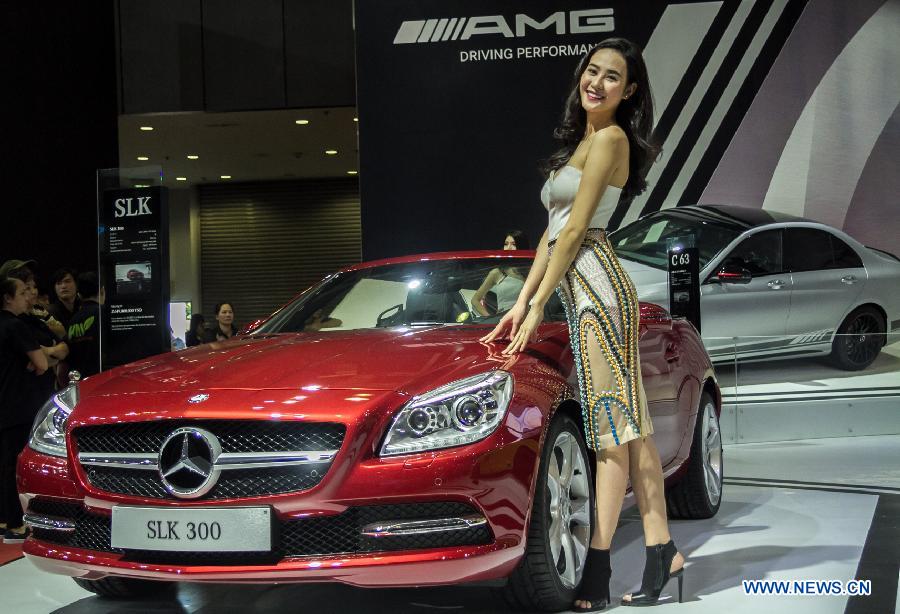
{"points": [[634, 115]]}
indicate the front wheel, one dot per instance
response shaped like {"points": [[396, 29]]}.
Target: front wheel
{"points": [[699, 492], [560, 531], [127, 588], [858, 340]]}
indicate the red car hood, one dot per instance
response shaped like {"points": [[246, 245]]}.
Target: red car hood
{"points": [[410, 362]]}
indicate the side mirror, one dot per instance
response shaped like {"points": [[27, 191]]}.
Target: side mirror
{"points": [[734, 274]]}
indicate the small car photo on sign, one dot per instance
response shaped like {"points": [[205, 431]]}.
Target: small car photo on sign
{"points": [[133, 278]]}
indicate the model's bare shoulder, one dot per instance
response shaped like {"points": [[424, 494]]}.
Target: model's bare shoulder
{"points": [[612, 136], [608, 147]]}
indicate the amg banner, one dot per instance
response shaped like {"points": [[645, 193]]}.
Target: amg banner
{"points": [[134, 269], [458, 100]]}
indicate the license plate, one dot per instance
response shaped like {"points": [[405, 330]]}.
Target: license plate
{"points": [[232, 529]]}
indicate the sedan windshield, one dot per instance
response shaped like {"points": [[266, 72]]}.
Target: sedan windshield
{"points": [[647, 240], [427, 292]]}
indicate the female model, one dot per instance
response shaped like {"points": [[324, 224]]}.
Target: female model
{"points": [[606, 149]]}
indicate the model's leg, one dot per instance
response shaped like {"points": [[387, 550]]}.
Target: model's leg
{"points": [[647, 483], [611, 477], [649, 491], [611, 482]]}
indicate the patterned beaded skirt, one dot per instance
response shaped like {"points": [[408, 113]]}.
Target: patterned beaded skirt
{"points": [[602, 309]]}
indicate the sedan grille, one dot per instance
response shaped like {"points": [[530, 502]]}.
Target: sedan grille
{"points": [[122, 458]]}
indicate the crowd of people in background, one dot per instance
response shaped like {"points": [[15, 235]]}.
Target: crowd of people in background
{"points": [[46, 344], [41, 344]]}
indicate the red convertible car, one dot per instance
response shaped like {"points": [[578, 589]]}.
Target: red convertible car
{"points": [[361, 434]]}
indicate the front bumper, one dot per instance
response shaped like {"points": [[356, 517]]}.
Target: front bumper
{"points": [[422, 568], [490, 481]]}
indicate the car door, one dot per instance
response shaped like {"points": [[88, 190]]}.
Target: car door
{"points": [[828, 278], [749, 317]]}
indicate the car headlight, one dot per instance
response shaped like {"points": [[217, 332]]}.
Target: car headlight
{"points": [[48, 435], [459, 413]]}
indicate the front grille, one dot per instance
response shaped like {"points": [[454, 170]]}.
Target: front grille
{"points": [[231, 484], [339, 534], [235, 436]]}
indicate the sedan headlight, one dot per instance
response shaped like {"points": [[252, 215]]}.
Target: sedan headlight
{"points": [[48, 435], [453, 415]]}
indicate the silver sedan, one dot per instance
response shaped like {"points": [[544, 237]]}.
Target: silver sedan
{"points": [[772, 285]]}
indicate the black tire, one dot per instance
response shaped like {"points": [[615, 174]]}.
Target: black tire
{"points": [[125, 588], [859, 339], [536, 584], [693, 497]]}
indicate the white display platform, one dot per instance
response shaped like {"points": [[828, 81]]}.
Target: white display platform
{"points": [[808, 398]]}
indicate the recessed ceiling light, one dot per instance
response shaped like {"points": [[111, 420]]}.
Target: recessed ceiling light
{"points": [[351, 172], [356, 119], [192, 157], [181, 179], [143, 158], [331, 152], [224, 176], [146, 128], [302, 122]]}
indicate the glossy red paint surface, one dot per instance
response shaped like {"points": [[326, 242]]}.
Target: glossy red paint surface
{"points": [[360, 379]]}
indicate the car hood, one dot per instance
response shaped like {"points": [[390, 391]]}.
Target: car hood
{"points": [[652, 284], [409, 361]]}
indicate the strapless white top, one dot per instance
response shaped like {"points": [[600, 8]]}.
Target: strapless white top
{"points": [[507, 291], [558, 196]]}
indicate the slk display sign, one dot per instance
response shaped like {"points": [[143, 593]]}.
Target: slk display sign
{"points": [[134, 265]]}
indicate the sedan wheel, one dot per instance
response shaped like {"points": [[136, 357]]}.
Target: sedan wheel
{"points": [[560, 530], [858, 340], [712, 453], [699, 492]]}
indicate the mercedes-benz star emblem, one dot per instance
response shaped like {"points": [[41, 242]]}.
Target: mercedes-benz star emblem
{"points": [[187, 462], [198, 398]]}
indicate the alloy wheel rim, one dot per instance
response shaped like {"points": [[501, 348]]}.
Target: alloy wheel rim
{"points": [[569, 490], [712, 454], [862, 340]]}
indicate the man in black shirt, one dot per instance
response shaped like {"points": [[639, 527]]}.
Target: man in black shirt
{"points": [[21, 359], [53, 345], [84, 328], [67, 302]]}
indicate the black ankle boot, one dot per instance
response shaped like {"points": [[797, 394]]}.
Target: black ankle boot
{"points": [[594, 581], [656, 575]]}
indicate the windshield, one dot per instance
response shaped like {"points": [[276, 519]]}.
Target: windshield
{"points": [[646, 240], [411, 294]]}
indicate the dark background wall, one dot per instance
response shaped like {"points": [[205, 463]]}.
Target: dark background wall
{"points": [[233, 55], [59, 114]]}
